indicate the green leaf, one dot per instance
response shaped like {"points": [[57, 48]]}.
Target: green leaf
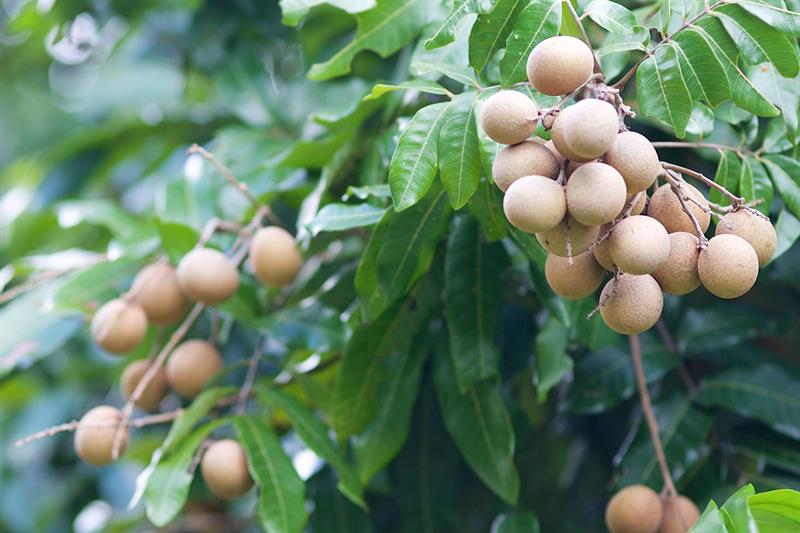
{"points": [[415, 162], [635, 38], [552, 361], [701, 68], [711, 521], [176, 239], [539, 20], [762, 186], [91, 287], [611, 16], [461, 8], [747, 187], [769, 507], [293, 11], [486, 207], [785, 173], [662, 91], [516, 522], [490, 31], [788, 229], [338, 217], [776, 16], [459, 151], [783, 92], [736, 513], [424, 86], [281, 498], [311, 327], [727, 174]]}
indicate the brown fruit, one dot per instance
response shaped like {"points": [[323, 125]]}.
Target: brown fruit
{"points": [[573, 281], [665, 207], [600, 251], [631, 304], [636, 159], [560, 65], [634, 509], [678, 274], [753, 227], [595, 194], [526, 159], [509, 117], [535, 203], [728, 267], [119, 326], [155, 390], [191, 366], [679, 515], [207, 276], [275, 257], [568, 231], [95, 444], [156, 289], [225, 471], [639, 244], [585, 130]]}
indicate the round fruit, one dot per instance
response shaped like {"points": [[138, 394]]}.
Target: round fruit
{"points": [[600, 251], [224, 468], [665, 207], [119, 326], [535, 203], [526, 159], [94, 438], [560, 65], [595, 194], [155, 390], [191, 365], [573, 281], [631, 304], [509, 117], [639, 244], [678, 274], [275, 257], [206, 275], [156, 289], [679, 515], [753, 227], [728, 267], [568, 231], [636, 159], [634, 509], [585, 130]]}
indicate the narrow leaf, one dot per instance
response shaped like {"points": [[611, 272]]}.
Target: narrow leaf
{"points": [[461, 8], [662, 90], [490, 31], [338, 217], [552, 361], [539, 20], [459, 151]]}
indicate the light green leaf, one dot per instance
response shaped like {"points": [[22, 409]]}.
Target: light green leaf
{"points": [[785, 173], [762, 185], [776, 16], [783, 92], [700, 67], [788, 229], [293, 11], [662, 91], [338, 217], [610, 15], [539, 20], [461, 8], [711, 521], [747, 187], [459, 151], [490, 31], [552, 361], [635, 38], [424, 86], [782, 503]]}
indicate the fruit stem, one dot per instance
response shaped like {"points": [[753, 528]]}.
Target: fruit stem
{"points": [[735, 200]]}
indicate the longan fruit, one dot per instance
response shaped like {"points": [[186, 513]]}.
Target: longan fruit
{"points": [[156, 289], [224, 469], [535, 203], [560, 65], [753, 227], [573, 281], [155, 390], [728, 267], [509, 117], [191, 366], [570, 231], [639, 244], [275, 257], [665, 207], [119, 326], [207, 276], [679, 515], [636, 159], [634, 509], [595, 194], [585, 130], [678, 274], [631, 304], [600, 251], [529, 158], [95, 444]]}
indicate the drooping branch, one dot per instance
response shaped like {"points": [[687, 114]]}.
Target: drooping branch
{"points": [[677, 189], [735, 200]]}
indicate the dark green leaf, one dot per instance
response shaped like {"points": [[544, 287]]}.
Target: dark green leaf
{"points": [[774, 14], [701, 68], [552, 361], [490, 31], [785, 173], [486, 206], [788, 229], [516, 522], [312, 327], [662, 90]]}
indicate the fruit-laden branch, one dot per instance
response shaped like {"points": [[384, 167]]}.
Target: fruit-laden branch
{"points": [[735, 200], [677, 188]]}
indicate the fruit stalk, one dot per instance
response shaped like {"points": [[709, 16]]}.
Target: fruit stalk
{"points": [[252, 370]]}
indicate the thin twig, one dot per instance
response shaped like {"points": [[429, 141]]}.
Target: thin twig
{"points": [[735, 200], [677, 189], [712, 146], [252, 370], [597, 67], [625, 214]]}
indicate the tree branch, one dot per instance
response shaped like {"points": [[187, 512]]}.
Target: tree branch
{"points": [[735, 200]]}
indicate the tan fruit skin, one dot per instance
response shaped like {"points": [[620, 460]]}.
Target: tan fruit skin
{"points": [[639, 245], [207, 276], [678, 274], [636, 159], [585, 130], [94, 444], [555, 240], [665, 207], [535, 203], [679, 515], [755, 229], [224, 469], [559, 65], [119, 326], [634, 509], [191, 365], [275, 257], [595, 194], [155, 390], [728, 267], [601, 254], [508, 117], [525, 159], [631, 304], [575, 281], [156, 289]]}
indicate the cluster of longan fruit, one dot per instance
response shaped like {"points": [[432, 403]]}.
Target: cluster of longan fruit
{"points": [[638, 509], [161, 295], [584, 195]]}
